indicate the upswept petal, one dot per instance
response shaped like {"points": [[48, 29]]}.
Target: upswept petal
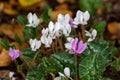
{"points": [[87, 33], [30, 18], [94, 33], [81, 47], [67, 71], [74, 44], [86, 16]]}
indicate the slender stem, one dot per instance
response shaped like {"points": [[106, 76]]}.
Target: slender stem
{"points": [[60, 43], [76, 70], [22, 58], [19, 69], [35, 55], [83, 32], [53, 46]]}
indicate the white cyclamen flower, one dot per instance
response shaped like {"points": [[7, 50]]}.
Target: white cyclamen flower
{"points": [[81, 17], [91, 35], [54, 29], [33, 20], [66, 72], [46, 39], [68, 45], [64, 24], [34, 44]]}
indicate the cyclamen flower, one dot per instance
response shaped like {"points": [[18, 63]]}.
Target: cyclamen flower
{"points": [[81, 17], [64, 24], [78, 47], [34, 44], [13, 53], [66, 74], [72, 24], [46, 39], [54, 30], [33, 20], [91, 35], [68, 45]]}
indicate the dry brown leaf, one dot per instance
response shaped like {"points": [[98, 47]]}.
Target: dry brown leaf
{"points": [[4, 74], [114, 27], [7, 8], [0, 48], [63, 6], [20, 47], [62, 1], [5, 59], [10, 30], [101, 10], [55, 13], [63, 9]]}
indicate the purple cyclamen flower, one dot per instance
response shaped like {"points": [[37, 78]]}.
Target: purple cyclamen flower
{"points": [[72, 24], [78, 47], [13, 53]]}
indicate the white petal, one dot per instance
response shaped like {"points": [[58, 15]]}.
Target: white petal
{"points": [[61, 74], [86, 16], [38, 44], [30, 18], [69, 39], [67, 71], [67, 18], [13, 78], [51, 26], [94, 33], [90, 39], [11, 74], [60, 18], [57, 78], [68, 46], [87, 33]]}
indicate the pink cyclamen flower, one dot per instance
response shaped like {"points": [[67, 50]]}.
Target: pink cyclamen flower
{"points": [[13, 53], [78, 47], [72, 24]]}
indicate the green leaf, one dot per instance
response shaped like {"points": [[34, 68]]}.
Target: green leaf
{"points": [[86, 66], [63, 78], [116, 64], [21, 20], [100, 27], [90, 5], [36, 73], [93, 65], [18, 40], [4, 44], [28, 54], [46, 15], [29, 32]]}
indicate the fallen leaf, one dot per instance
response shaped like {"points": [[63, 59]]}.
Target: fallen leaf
{"points": [[63, 9], [5, 59], [10, 30], [101, 10], [7, 8], [114, 27]]}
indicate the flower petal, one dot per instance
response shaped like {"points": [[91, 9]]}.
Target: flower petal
{"points": [[81, 47], [74, 44], [67, 71], [86, 16]]}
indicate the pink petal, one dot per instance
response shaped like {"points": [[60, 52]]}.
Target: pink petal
{"points": [[81, 47]]}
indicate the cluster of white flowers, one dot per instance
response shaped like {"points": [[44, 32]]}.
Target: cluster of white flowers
{"points": [[62, 26]]}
